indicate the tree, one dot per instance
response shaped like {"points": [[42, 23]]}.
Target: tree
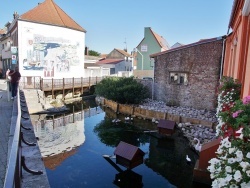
{"points": [[122, 90], [94, 53]]}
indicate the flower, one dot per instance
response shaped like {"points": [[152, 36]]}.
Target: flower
{"points": [[237, 176], [228, 169], [236, 114], [231, 167], [246, 100], [248, 155]]}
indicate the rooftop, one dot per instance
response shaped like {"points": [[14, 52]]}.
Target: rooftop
{"points": [[50, 13]]}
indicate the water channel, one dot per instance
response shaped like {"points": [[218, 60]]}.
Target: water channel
{"points": [[73, 145]]}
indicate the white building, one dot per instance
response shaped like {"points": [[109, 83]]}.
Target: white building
{"points": [[50, 43], [117, 63]]}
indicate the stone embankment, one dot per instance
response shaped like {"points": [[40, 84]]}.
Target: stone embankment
{"points": [[202, 133], [160, 106]]}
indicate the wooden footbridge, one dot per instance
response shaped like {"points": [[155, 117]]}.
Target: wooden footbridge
{"points": [[64, 86]]}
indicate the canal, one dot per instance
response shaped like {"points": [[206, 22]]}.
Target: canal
{"points": [[73, 145]]}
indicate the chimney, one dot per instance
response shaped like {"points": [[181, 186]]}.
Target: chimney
{"points": [[86, 50], [15, 15]]}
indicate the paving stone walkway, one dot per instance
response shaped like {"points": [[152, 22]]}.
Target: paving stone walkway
{"points": [[5, 123]]}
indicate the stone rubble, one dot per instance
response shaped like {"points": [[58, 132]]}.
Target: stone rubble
{"points": [[202, 133], [191, 131], [160, 106]]}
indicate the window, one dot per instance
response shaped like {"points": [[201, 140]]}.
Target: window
{"points": [[144, 48], [178, 78]]}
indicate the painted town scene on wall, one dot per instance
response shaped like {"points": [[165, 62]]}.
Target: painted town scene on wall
{"points": [[50, 55]]}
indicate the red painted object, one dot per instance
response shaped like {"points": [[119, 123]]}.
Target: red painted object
{"points": [[128, 155], [166, 127]]}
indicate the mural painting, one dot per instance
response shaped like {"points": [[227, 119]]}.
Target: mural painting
{"points": [[50, 55]]}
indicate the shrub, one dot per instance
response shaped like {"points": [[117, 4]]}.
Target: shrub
{"points": [[122, 90]]}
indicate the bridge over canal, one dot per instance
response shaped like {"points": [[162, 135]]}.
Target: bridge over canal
{"points": [[66, 86]]}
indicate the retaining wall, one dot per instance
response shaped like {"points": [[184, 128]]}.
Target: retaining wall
{"points": [[135, 111]]}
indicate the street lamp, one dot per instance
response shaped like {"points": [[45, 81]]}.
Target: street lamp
{"points": [[136, 50]]}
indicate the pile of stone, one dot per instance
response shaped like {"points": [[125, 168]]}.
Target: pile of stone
{"points": [[160, 106], [197, 132]]}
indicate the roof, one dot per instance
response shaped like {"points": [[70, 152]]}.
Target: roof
{"points": [[103, 55], [203, 41], [127, 151], [2, 31], [166, 124], [123, 52], [177, 44], [50, 13], [162, 42], [110, 61], [233, 11]]}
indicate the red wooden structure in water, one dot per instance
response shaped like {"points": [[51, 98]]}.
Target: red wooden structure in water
{"points": [[128, 155], [200, 172], [166, 127]]}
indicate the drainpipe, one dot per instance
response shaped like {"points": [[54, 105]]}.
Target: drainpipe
{"points": [[222, 56]]}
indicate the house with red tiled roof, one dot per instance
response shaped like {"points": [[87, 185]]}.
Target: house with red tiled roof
{"points": [[118, 62], [150, 44], [50, 43]]}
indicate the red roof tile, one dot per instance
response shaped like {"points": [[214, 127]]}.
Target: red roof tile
{"points": [[162, 42], [49, 12], [123, 52], [110, 61], [2, 31]]}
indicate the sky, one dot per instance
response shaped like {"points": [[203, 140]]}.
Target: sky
{"points": [[120, 23]]}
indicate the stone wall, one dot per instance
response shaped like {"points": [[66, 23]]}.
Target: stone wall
{"points": [[201, 62]]}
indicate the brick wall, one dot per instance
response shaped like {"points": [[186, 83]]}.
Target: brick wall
{"points": [[201, 62]]}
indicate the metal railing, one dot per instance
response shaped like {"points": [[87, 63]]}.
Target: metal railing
{"points": [[13, 173], [16, 162]]}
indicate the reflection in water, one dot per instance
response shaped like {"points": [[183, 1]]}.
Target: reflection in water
{"points": [[82, 163], [62, 134], [128, 178], [59, 139]]}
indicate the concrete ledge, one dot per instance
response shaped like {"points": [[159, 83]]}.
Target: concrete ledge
{"points": [[33, 158]]}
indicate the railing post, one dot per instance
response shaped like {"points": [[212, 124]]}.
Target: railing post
{"points": [[34, 83], [81, 86], [41, 84], [73, 93], [52, 81], [63, 97], [73, 114], [89, 82]]}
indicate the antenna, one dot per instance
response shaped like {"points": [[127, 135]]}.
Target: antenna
{"points": [[125, 42]]}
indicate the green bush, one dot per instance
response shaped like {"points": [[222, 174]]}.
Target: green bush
{"points": [[122, 90]]}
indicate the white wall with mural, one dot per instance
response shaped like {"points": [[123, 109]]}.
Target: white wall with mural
{"points": [[50, 51]]}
